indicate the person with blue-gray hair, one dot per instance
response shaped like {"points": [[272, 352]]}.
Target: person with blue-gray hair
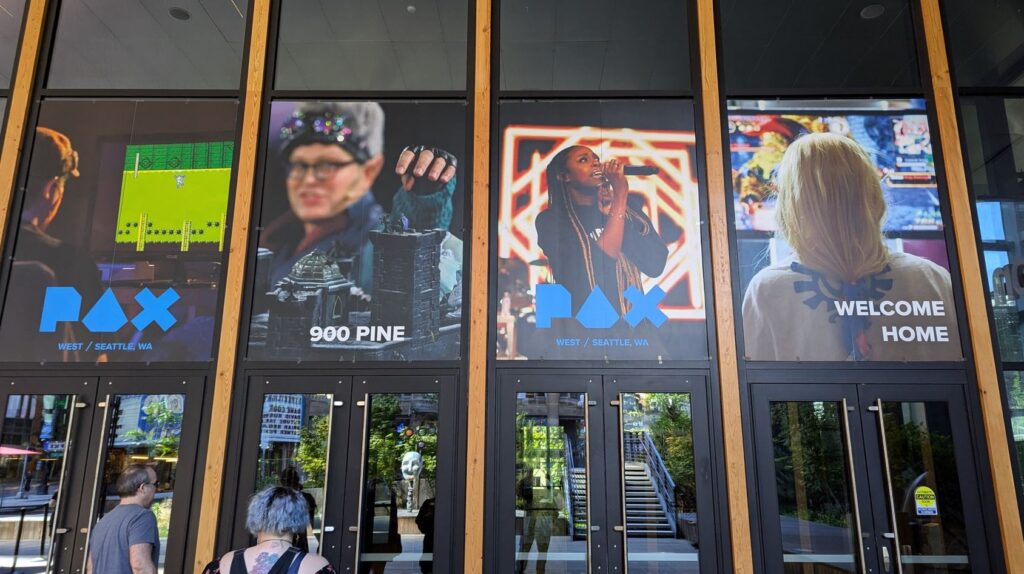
{"points": [[275, 515]]}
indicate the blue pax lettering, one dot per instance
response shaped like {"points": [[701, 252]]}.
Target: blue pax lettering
{"points": [[554, 301], [64, 305]]}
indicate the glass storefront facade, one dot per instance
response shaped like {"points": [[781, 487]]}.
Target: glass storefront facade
{"points": [[516, 287]]}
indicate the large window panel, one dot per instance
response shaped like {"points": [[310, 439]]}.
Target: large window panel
{"points": [[11, 14], [120, 242], [839, 232], [375, 45], [771, 45], [361, 233], [148, 45], [595, 262], [595, 45], [986, 42]]}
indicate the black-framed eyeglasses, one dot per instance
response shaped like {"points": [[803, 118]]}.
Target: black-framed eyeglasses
{"points": [[322, 170]]}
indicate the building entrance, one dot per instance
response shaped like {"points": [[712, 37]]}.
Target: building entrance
{"points": [[867, 478], [375, 458], [604, 474], [64, 443]]}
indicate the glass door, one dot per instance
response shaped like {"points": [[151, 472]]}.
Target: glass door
{"points": [[44, 440], [867, 478], [663, 473], [296, 435], [604, 474], [158, 427], [374, 457]]}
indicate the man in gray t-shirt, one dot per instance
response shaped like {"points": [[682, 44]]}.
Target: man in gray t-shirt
{"points": [[125, 540]]}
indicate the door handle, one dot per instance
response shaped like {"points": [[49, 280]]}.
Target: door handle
{"points": [[886, 561], [328, 529], [61, 530], [853, 487], [894, 535]]}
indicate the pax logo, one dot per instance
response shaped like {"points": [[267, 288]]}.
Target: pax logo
{"points": [[64, 305], [555, 301]]}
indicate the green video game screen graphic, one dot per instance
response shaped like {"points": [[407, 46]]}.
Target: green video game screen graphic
{"points": [[175, 194]]}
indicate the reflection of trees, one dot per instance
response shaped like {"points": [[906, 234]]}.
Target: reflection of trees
{"points": [[671, 428], [393, 433], [810, 469], [311, 454], [162, 436]]}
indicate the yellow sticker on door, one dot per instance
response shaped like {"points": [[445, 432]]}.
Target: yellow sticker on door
{"points": [[924, 502]]}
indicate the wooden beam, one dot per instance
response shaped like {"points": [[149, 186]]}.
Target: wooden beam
{"points": [[213, 478], [989, 383], [18, 106], [479, 352], [728, 367]]}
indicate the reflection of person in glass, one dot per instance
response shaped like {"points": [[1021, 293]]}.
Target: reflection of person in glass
{"points": [[830, 212], [289, 478], [332, 155], [540, 510], [594, 233], [425, 522]]}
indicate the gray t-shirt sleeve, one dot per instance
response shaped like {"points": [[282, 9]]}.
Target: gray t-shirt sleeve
{"points": [[142, 530]]}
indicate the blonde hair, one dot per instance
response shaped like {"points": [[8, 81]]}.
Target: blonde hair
{"points": [[831, 207]]}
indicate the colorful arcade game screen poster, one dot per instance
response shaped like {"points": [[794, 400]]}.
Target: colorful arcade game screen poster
{"points": [[840, 233], [599, 233], [120, 244]]}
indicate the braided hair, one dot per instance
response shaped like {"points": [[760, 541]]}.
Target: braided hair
{"points": [[561, 204]]}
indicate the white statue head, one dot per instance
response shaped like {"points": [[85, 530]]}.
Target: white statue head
{"points": [[412, 465]]}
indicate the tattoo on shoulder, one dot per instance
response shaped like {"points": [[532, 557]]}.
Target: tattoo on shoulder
{"points": [[264, 562]]}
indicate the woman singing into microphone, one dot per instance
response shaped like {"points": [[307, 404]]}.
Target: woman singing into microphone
{"points": [[594, 234]]}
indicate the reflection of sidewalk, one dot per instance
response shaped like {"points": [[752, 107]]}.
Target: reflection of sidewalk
{"points": [[30, 561]]}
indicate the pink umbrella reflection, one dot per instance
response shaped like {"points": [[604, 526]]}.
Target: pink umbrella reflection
{"points": [[15, 451]]}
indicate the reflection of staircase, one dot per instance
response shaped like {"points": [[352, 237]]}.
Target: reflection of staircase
{"points": [[578, 500], [645, 515]]}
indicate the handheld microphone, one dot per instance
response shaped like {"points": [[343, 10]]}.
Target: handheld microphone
{"points": [[640, 170]]}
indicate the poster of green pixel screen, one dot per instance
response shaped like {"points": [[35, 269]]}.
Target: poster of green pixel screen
{"points": [[175, 194]]}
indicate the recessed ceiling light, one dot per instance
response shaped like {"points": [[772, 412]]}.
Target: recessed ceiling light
{"points": [[872, 11], [179, 13], [410, 9]]}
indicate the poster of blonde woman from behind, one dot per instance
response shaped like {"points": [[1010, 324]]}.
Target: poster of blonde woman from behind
{"points": [[844, 293]]}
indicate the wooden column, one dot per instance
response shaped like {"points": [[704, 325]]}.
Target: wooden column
{"points": [[213, 478], [989, 383], [479, 352], [728, 367], [18, 106]]}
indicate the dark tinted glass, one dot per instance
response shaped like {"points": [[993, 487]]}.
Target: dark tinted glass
{"points": [[993, 128], [986, 41], [148, 45], [594, 45], [10, 33], [121, 237], [816, 45], [375, 45]]}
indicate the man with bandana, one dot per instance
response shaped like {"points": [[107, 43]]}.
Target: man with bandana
{"points": [[332, 155]]}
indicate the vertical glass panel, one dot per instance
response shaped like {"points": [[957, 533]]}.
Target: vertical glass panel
{"points": [[552, 483], [593, 262], [359, 45], [811, 181], [32, 449], [294, 446], [114, 44], [144, 429], [925, 488], [986, 41], [775, 45], [400, 493], [813, 484], [595, 45], [120, 239], [11, 14], [1015, 397], [659, 483], [360, 258]]}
